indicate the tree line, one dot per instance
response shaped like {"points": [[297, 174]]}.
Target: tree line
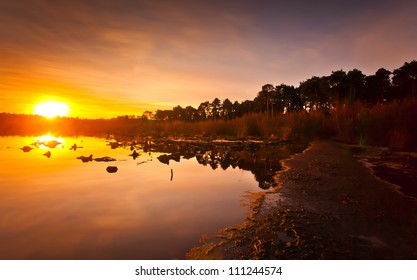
{"points": [[316, 93]]}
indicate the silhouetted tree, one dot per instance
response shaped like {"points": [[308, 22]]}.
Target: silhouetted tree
{"points": [[216, 108], [262, 102], [378, 87], [148, 115], [203, 111], [355, 80], [290, 99], [227, 109], [178, 113], [315, 93], [164, 115], [405, 80], [338, 86], [246, 107], [190, 114], [236, 110]]}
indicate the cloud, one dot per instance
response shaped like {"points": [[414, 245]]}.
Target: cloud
{"points": [[388, 41], [134, 53]]}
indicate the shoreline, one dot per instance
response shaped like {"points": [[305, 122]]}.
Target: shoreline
{"points": [[327, 205]]}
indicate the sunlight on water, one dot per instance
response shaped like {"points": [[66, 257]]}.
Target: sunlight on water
{"points": [[59, 207], [49, 141]]}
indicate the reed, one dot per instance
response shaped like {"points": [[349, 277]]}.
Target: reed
{"points": [[389, 124]]}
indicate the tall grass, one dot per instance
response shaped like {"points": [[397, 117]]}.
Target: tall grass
{"points": [[390, 124], [394, 125]]}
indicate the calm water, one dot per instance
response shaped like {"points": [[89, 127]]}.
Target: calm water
{"points": [[62, 208]]}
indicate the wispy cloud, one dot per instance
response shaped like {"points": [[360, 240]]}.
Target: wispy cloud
{"points": [[134, 54]]}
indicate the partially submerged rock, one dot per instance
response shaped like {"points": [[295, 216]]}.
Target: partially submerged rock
{"points": [[26, 149], [111, 169], [86, 159], [105, 159]]}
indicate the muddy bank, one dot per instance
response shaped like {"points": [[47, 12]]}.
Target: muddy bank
{"points": [[327, 205], [399, 168]]}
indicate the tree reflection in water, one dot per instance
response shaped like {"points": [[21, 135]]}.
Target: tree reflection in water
{"points": [[260, 158]]}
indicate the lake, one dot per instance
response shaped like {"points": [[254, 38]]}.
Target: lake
{"points": [[155, 206]]}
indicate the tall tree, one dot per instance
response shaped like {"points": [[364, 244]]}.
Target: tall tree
{"points": [[262, 101], [216, 108], [164, 115], [246, 107], [190, 114], [355, 80], [236, 112], [315, 93], [338, 86], [148, 115], [288, 99], [227, 109], [405, 80], [203, 111], [178, 113], [378, 87]]}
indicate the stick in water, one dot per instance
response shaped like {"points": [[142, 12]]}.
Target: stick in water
{"points": [[172, 174]]}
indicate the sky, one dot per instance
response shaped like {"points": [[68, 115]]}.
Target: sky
{"points": [[107, 58]]}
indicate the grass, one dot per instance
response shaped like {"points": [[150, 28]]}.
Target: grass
{"points": [[390, 125]]}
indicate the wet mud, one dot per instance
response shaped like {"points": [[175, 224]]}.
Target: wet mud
{"points": [[399, 168], [327, 205]]}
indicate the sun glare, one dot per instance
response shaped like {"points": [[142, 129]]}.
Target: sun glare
{"points": [[51, 109], [49, 141]]}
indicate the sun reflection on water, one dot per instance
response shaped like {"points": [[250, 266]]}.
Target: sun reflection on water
{"points": [[49, 141]]}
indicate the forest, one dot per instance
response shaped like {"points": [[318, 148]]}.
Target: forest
{"points": [[316, 93], [378, 110]]}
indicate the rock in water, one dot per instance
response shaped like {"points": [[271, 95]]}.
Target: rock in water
{"points": [[106, 159], [86, 159], [111, 169], [26, 149]]}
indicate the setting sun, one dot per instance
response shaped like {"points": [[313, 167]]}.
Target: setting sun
{"points": [[51, 109]]}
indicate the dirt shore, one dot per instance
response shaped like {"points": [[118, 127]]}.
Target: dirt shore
{"points": [[328, 205]]}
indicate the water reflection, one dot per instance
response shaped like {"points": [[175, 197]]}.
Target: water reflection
{"points": [[62, 208], [262, 159], [48, 141]]}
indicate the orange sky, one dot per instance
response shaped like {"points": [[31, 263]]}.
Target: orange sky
{"points": [[108, 58]]}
